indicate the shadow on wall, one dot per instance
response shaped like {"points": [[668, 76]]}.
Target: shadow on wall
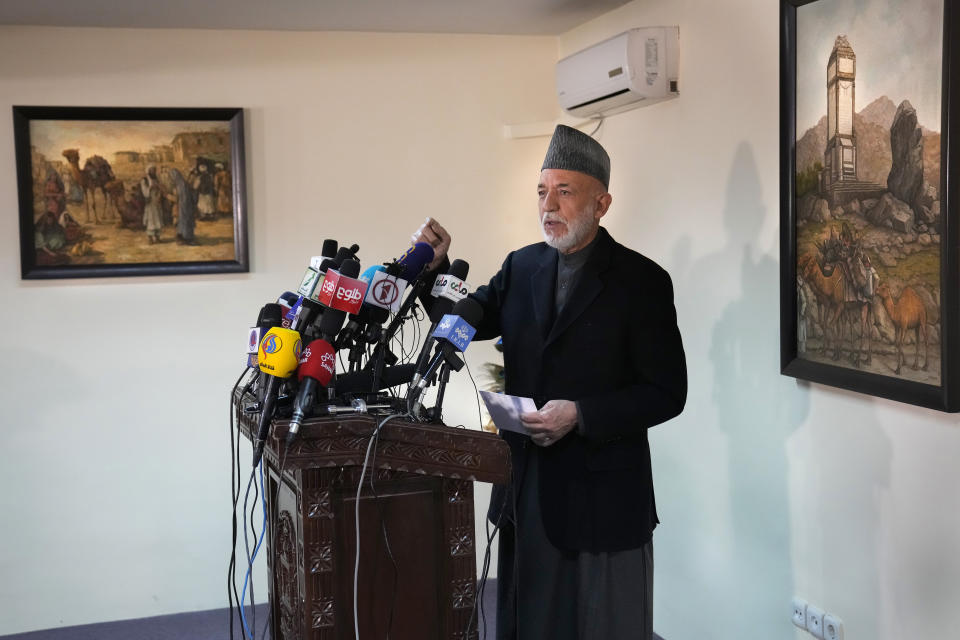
{"points": [[750, 575], [757, 409]]}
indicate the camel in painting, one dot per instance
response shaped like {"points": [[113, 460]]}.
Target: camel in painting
{"points": [[96, 173], [131, 211], [830, 290], [907, 312]]}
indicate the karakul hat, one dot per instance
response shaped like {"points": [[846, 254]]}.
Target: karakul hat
{"points": [[573, 150]]}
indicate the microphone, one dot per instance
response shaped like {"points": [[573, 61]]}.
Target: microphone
{"points": [[271, 315], [448, 289], [312, 279], [288, 303], [317, 366], [327, 252], [362, 381], [412, 263], [287, 299], [278, 355], [414, 260], [341, 293], [329, 248], [372, 311], [345, 253], [453, 333]]}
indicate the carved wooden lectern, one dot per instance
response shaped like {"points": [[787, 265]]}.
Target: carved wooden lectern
{"points": [[417, 571]]}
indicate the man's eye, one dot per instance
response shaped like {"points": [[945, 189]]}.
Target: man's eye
{"points": [[564, 192]]}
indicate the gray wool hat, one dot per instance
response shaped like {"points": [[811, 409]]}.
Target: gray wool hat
{"points": [[573, 150]]}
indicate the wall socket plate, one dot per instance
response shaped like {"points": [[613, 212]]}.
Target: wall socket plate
{"points": [[798, 613], [815, 621], [832, 627]]}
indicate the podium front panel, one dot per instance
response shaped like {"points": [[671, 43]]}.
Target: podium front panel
{"points": [[417, 572]]}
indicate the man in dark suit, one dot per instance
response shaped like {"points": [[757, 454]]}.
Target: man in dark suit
{"points": [[590, 333]]}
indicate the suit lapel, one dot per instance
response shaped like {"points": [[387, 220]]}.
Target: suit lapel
{"points": [[542, 283], [588, 288]]}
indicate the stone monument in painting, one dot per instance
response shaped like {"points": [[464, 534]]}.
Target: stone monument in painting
{"points": [[839, 182]]}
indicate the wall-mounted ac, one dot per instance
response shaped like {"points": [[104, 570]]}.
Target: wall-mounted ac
{"points": [[634, 69]]}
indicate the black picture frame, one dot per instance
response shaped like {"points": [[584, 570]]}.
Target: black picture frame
{"points": [[945, 396], [232, 164]]}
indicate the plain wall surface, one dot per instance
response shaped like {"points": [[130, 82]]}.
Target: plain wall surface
{"points": [[116, 484]]}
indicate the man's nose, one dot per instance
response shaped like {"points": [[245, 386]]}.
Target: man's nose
{"points": [[550, 201]]}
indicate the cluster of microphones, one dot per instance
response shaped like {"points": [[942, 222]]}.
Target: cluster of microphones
{"points": [[341, 315]]}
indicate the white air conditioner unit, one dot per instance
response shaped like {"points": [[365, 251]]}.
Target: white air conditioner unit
{"points": [[634, 69]]}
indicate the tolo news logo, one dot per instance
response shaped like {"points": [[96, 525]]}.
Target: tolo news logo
{"points": [[349, 295], [329, 284], [328, 288]]}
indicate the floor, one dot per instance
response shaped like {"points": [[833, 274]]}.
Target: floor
{"points": [[199, 625]]}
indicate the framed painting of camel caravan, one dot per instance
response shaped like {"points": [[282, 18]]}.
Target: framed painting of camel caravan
{"points": [[869, 242], [114, 191]]}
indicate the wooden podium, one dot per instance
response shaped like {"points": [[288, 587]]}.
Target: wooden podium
{"points": [[417, 575]]}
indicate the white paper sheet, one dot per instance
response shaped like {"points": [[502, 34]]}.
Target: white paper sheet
{"points": [[505, 410]]}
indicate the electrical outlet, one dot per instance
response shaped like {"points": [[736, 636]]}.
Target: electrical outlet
{"points": [[815, 621], [832, 627], [799, 613]]}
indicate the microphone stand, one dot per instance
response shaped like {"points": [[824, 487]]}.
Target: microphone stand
{"points": [[357, 349], [450, 360], [434, 414], [379, 353]]}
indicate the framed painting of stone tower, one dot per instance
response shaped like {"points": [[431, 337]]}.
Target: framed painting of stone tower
{"points": [[869, 244], [117, 191]]}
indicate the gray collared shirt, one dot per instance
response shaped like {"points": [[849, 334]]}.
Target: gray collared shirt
{"points": [[569, 268]]}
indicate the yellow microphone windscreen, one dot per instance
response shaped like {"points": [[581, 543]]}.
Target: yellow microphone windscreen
{"points": [[279, 352]]}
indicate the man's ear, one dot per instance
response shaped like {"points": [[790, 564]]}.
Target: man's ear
{"points": [[603, 204]]}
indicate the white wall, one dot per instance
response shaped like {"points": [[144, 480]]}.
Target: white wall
{"points": [[115, 498], [116, 427], [767, 487]]}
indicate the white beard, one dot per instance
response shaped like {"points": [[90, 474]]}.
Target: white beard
{"points": [[578, 229]]}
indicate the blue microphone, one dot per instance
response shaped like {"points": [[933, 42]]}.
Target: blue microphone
{"points": [[453, 333]]}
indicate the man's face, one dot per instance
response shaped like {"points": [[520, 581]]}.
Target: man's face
{"points": [[571, 205]]}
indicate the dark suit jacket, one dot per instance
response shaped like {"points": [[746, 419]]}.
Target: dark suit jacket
{"points": [[616, 350]]}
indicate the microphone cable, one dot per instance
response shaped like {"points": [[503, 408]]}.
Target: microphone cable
{"points": [[232, 595], [356, 564], [261, 496], [478, 599], [478, 602], [257, 543], [383, 529], [275, 506], [476, 391]]}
